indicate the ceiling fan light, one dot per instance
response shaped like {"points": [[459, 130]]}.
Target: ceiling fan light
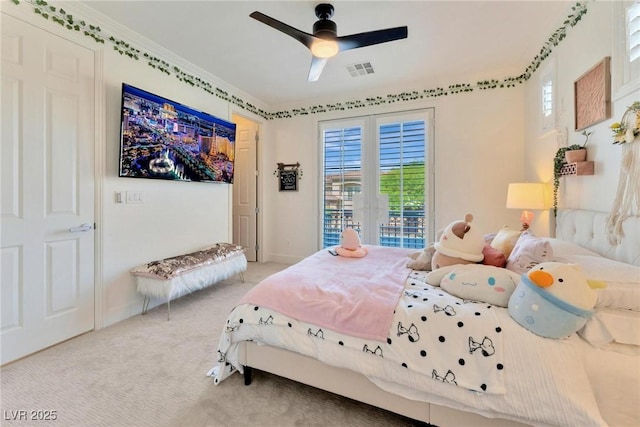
{"points": [[324, 48]]}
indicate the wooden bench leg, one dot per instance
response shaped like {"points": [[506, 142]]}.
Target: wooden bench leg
{"points": [[168, 308], [247, 375]]}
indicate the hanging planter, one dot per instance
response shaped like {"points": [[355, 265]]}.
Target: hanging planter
{"points": [[575, 155], [571, 154]]}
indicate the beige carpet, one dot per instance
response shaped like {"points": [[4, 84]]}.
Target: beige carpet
{"points": [[147, 371]]}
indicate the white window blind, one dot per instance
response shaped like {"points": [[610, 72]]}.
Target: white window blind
{"points": [[375, 179], [547, 98], [342, 179], [633, 31], [402, 147], [547, 95]]}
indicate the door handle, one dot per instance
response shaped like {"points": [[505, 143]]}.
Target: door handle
{"points": [[82, 228]]}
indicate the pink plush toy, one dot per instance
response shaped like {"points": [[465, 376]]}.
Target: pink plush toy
{"points": [[351, 247]]}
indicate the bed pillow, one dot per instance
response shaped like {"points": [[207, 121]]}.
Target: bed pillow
{"points": [[610, 325], [622, 280], [493, 256], [505, 240], [529, 251], [563, 249]]}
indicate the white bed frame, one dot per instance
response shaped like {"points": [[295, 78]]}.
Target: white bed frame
{"points": [[585, 228], [353, 385], [589, 230]]}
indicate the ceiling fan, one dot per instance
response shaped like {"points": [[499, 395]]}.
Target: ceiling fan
{"points": [[325, 42]]}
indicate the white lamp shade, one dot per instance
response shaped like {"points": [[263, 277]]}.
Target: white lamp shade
{"points": [[526, 195]]}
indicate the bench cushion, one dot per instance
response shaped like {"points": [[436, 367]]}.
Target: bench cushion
{"points": [[169, 268]]}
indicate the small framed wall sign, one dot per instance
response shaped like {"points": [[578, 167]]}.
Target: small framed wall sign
{"points": [[288, 176], [289, 180], [592, 92]]}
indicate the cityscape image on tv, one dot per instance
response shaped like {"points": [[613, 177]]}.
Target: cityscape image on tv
{"points": [[167, 140]]}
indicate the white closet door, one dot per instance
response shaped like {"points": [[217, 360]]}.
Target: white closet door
{"points": [[47, 198]]}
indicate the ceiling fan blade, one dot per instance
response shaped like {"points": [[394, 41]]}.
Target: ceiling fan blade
{"points": [[371, 37], [322, 43], [304, 38], [317, 65]]}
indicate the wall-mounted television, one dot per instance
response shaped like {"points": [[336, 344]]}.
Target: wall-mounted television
{"points": [[164, 139]]}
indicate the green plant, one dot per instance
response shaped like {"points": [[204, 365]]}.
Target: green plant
{"points": [[558, 162], [586, 136]]}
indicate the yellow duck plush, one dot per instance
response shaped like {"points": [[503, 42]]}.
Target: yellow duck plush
{"points": [[554, 299]]}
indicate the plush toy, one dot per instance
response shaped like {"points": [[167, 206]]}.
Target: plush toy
{"points": [[460, 243], [422, 260], [553, 299], [350, 246], [477, 282], [529, 251]]}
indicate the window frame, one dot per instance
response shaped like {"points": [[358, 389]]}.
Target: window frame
{"points": [[625, 73], [548, 122]]}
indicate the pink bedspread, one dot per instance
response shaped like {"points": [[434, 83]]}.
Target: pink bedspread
{"points": [[353, 296]]}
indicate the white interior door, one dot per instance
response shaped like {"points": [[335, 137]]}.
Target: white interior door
{"points": [[245, 183], [47, 255]]}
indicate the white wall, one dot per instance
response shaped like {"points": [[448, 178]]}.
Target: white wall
{"points": [[483, 141], [585, 45], [478, 149], [175, 217]]}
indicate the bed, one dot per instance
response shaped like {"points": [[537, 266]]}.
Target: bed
{"points": [[440, 359]]}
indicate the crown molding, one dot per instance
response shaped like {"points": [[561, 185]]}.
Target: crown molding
{"points": [[137, 47]]}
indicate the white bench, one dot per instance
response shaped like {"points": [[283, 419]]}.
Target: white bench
{"points": [[174, 277]]}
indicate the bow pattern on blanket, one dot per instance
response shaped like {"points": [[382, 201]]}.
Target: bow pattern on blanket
{"points": [[457, 341], [432, 333]]}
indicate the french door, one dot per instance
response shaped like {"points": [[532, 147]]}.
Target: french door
{"points": [[378, 179]]}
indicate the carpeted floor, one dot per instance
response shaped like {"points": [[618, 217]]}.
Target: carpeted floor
{"points": [[147, 371]]}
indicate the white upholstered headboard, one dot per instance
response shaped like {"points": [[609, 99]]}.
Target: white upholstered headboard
{"points": [[588, 229]]}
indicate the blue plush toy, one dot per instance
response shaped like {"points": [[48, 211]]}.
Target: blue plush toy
{"points": [[553, 299]]}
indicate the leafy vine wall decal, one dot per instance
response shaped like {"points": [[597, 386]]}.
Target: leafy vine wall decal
{"points": [[68, 21]]}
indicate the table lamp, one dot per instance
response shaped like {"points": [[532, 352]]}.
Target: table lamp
{"points": [[525, 196]]}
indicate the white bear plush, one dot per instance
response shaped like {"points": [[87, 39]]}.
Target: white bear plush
{"points": [[477, 282]]}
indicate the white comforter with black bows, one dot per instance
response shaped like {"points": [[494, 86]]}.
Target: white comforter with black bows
{"points": [[441, 349]]}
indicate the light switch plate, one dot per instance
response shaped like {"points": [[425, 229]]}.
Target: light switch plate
{"points": [[134, 197]]}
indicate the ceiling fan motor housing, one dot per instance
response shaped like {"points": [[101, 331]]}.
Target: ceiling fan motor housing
{"points": [[325, 29]]}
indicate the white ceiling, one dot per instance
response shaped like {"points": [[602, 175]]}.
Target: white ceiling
{"points": [[449, 42]]}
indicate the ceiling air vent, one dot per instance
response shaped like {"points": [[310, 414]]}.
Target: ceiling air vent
{"points": [[360, 69]]}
